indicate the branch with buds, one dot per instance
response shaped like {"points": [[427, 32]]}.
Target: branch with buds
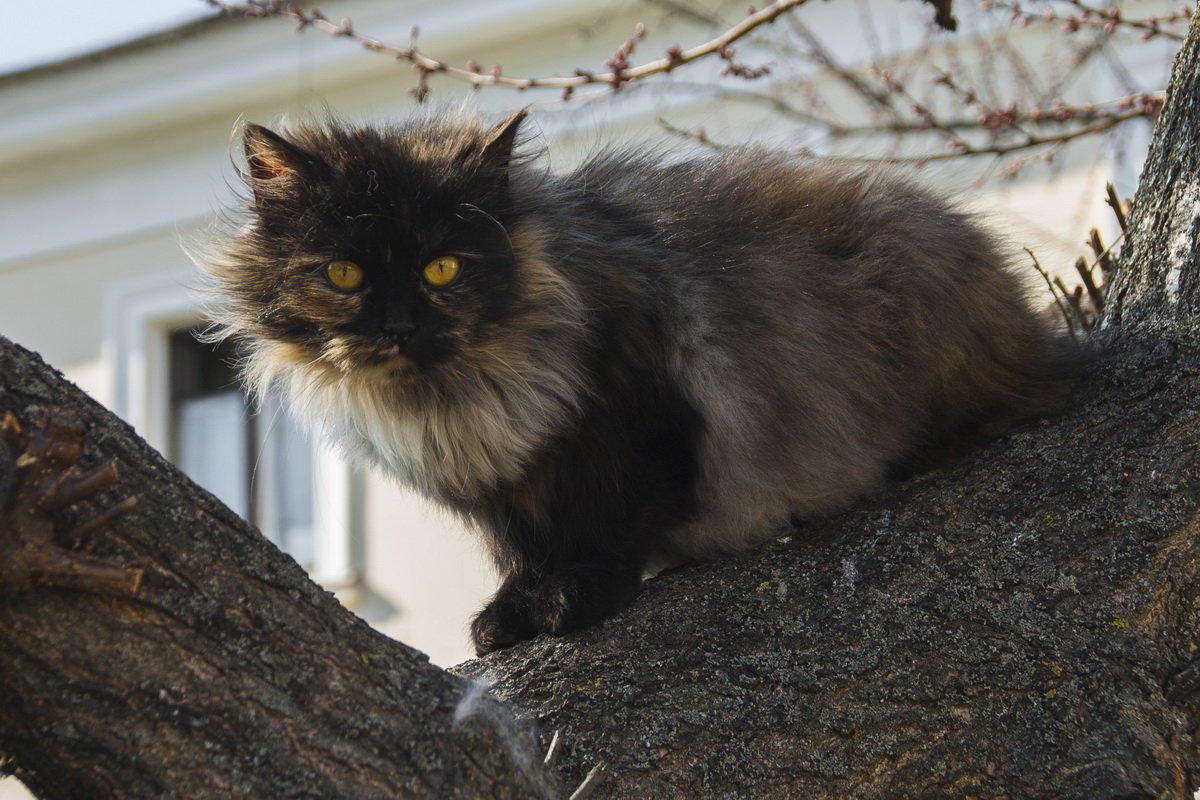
{"points": [[1034, 122], [1108, 19], [1081, 306], [1034, 128], [620, 72], [1037, 127]]}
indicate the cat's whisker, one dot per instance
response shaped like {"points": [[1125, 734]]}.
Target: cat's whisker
{"points": [[476, 209]]}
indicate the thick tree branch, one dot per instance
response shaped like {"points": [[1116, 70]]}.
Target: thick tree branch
{"points": [[220, 670], [1023, 625], [1164, 232]]}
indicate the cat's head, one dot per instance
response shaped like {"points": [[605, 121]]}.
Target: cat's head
{"points": [[386, 250]]}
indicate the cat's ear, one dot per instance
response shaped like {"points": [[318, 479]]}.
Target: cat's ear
{"points": [[496, 154], [273, 161]]}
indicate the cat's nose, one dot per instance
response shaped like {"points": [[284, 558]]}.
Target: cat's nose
{"points": [[399, 330]]}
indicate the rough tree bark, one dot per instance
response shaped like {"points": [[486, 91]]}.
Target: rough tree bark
{"points": [[209, 665], [1024, 624]]}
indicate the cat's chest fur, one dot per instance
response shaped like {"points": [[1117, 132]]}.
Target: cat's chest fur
{"points": [[453, 453], [455, 439]]}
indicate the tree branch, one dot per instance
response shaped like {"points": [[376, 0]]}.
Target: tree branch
{"points": [[1108, 19], [1096, 118], [174, 652], [619, 76]]}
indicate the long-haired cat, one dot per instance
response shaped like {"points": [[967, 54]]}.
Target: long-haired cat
{"points": [[631, 361]]}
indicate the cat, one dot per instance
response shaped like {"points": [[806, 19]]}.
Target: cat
{"points": [[642, 360]]}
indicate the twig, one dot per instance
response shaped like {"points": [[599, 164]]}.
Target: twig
{"points": [[1104, 258], [590, 783], [1050, 284], [553, 750], [1115, 204], [961, 148], [698, 135], [1085, 275], [427, 65], [1073, 300], [1108, 19], [1103, 119], [877, 98]]}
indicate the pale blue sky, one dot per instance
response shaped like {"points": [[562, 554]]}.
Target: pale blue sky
{"points": [[35, 33]]}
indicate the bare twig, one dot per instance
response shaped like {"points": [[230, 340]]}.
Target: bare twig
{"points": [[1099, 119], [552, 752], [590, 783], [997, 129], [1085, 275], [427, 65], [1101, 124], [698, 135], [1084, 315], [877, 98], [1108, 19], [1117, 206], [1066, 315]]}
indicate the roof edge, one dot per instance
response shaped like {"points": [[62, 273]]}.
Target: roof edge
{"points": [[187, 30]]}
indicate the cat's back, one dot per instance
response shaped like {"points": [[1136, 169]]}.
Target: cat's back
{"points": [[830, 324], [725, 212]]}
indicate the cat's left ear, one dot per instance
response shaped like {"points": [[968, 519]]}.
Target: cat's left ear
{"points": [[496, 154]]}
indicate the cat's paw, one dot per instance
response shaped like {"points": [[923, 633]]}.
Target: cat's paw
{"points": [[565, 601], [504, 621]]}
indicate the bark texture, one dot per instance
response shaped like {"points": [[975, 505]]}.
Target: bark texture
{"points": [[1022, 625], [1157, 290], [228, 673]]}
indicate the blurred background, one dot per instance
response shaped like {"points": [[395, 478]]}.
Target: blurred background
{"points": [[118, 147]]}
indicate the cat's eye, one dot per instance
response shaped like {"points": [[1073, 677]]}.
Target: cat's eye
{"points": [[441, 270], [345, 274]]}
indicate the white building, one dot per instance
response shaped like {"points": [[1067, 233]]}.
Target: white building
{"points": [[109, 161]]}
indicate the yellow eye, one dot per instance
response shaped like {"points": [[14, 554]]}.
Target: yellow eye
{"points": [[441, 271], [345, 274]]}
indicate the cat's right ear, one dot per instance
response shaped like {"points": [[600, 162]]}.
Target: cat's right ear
{"points": [[274, 162], [496, 152]]}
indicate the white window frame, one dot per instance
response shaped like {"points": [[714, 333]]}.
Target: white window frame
{"points": [[139, 319]]}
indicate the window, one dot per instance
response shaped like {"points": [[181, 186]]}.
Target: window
{"points": [[258, 464], [184, 398]]}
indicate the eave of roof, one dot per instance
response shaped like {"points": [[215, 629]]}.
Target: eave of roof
{"points": [[187, 30]]}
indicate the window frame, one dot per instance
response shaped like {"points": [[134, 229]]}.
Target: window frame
{"points": [[140, 316]]}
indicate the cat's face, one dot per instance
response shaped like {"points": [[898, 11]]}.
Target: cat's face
{"points": [[390, 286], [385, 251]]}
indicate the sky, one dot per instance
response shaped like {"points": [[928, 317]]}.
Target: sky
{"points": [[41, 32]]}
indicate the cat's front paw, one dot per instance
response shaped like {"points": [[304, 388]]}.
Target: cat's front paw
{"points": [[568, 600], [504, 621]]}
